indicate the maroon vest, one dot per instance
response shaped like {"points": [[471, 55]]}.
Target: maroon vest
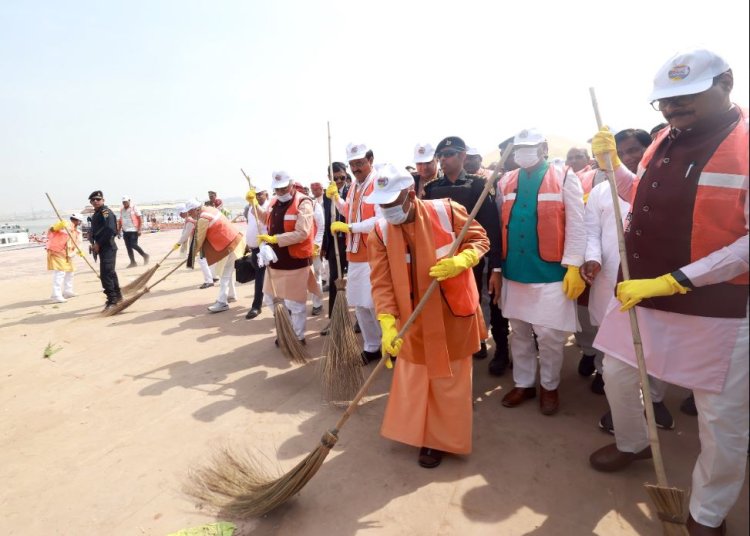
{"points": [[276, 226]]}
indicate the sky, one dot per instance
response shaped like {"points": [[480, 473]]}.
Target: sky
{"points": [[164, 100]]}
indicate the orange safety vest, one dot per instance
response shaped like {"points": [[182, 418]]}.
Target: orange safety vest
{"points": [[300, 250], [587, 179], [57, 241], [460, 292], [133, 216], [718, 214], [550, 227], [220, 232], [364, 211]]}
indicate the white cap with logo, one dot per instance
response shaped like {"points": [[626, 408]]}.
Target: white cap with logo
{"points": [[528, 137], [687, 73], [77, 216], [423, 152], [389, 184], [125, 198], [355, 151], [280, 179]]}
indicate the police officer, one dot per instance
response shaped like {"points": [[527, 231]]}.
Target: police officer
{"points": [[465, 189], [103, 232]]}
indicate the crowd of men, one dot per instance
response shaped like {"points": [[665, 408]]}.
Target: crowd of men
{"points": [[542, 253]]}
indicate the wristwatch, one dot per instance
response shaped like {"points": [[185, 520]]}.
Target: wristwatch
{"points": [[682, 279]]}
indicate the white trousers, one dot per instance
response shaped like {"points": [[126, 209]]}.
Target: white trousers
{"points": [[370, 327], [62, 284], [585, 337], [226, 284], [298, 316], [208, 276], [722, 428], [551, 344]]}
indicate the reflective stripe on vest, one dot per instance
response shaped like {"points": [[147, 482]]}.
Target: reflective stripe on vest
{"points": [[300, 250], [550, 228], [718, 213]]}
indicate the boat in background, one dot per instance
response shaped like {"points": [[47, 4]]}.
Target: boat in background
{"points": [[13, 236]]}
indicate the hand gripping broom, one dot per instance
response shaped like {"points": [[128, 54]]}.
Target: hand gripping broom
{"points": [[80, 253], [142, 279], [130, 300], [341, 369], [669, 501], [238, 485], [285, 337]]}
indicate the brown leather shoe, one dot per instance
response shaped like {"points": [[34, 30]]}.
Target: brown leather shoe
{"points": [[517, 395], [549, 401], [698, 529], [608, 459]]}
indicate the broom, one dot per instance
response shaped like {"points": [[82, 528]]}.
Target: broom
{"points": [[285, 336], [127, 302], [341, 370], [670, 502], [142, 279], [80, 253], [237, 484]]}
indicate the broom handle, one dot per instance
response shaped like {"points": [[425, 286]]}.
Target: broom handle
{"points": [[433, 285], [165, 257], [71, 236], [173, 270], [333, 208], [661, 474]]}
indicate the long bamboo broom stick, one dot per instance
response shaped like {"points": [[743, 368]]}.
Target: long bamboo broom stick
{"points": [[130, 300], [237, 483], [80, 253], [341, 370], [285, 336], [669, 501], [142, 279]]}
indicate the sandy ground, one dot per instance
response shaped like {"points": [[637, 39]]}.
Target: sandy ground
{"points": [[98, 438]]}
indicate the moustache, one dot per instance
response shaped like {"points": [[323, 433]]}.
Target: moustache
{"points": [[676, 114]]}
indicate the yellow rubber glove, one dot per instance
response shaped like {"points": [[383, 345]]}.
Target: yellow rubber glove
{"points": [[176, 246], [340, 227], [250, 197], [80, 253], [59, 226], [603, 143], [316, 250], [390, 340], [631, 292], [269, 239], [573, 283], [452, 266], [332, 191]]}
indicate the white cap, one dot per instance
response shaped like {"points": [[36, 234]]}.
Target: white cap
{"points": [[191, 204], [472, 151], [78, 216], [280, 179], [528, 137], [687, 73], [126, 198], [423, 152], [390, 182], [180, 208], [355, 151]]}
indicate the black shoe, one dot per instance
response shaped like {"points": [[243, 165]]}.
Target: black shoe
{"points": [[276, 342], [325, 331], [206, 285], [356, 328], [606, 424], [663, 417], [216, 279], [252, 313], [316, 311], [688, 406], [482, 353], [499, 363], [108, 306], [597, 384], [429, 458], [586, 365], [146, 257], [369, 357]]}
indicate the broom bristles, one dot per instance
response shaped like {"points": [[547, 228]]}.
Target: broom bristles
{"points": [[288, 341], [341, 369], [671, 509], [124, 304], [237, 484], [139, 281]]}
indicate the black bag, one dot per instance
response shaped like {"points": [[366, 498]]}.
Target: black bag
{"points": [[245, 268]]}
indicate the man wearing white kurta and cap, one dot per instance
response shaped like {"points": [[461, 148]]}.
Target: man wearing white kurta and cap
{"points": [[290, 234], [544, 240], [687, 248], [187, 233], [360, 220]]}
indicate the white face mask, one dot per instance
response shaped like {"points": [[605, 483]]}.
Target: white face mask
{"points": [[526, 157], [395, 215], [284, 198]]}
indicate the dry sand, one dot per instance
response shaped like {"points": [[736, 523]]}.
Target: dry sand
{"points": [[98, 438]]}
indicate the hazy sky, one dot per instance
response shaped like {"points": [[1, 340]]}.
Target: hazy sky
{"points": [[165, 100]]}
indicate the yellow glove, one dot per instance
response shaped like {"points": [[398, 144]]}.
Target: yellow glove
{"points": [[316, 250], [176, 246], [59, 226], [269, 239], [390, 341], [80, 253], [603, 143], [573, 283], [631, 292], [250, 197], [340, 227], [332, 191], [452, 266]]}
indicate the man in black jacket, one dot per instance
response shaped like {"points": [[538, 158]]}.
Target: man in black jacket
{"points": [[103, 232]]}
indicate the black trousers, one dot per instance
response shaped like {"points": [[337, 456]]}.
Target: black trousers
{"points": [[498, 323], [131, 243], [110, 283], [260, 275], [333, 274]]}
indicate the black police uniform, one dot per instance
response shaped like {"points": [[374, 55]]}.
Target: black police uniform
{"points": [[103, 232]]}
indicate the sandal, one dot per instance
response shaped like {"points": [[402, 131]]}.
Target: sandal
{"points": [[430, 458]]}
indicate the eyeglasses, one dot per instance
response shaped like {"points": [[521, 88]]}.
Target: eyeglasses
{"points": [[680, 100], [447, 154], [96, 199], [339, 178]]}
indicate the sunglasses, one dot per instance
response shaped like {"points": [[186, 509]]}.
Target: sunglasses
{"points": [[447, 154], [339, 178], [96, 199]]}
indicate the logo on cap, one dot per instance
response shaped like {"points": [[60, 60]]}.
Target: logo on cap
{"points": [[449, 142], [277, 177], [523, 134], [678, 72], [421, 150], [382, 182]]}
